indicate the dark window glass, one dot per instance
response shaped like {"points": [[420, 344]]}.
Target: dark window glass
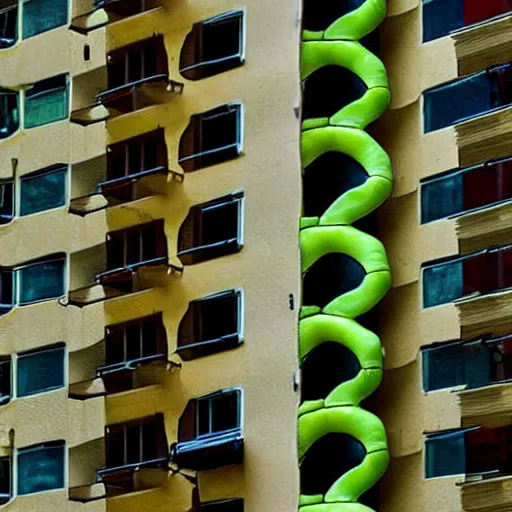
{"points": [[43, 191], [442, 283], [5, 381], [211, 324], [211, 138], [218, 413], [465, 190], [214, 46], [6, 202], [42, 15], [455, 364], [40, 371], [7, 298], [211, 230], [41, 281], [5, 480], [445, 454], [236, 505], [466, 97], [47, 101], [9, 113], [440, 17], [8, 26], [41, 468]]}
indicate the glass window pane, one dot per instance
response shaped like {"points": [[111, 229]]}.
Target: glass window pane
{"points": [[442, 283], [6, 202], [443, 366], [9, 27], [40, 371], [9, 113], [5, 379], [43, 192], [42, 15], [40, 468], [224, 412], [445, 454], [442, 197], [41, 281], [440, 17], [46, 103]]}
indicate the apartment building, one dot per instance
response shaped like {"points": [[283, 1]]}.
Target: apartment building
{"points": [[173, 273]]}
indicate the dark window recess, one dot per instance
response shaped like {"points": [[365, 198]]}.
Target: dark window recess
{"points": [[465, 190], [5, 480], [5, 382], [134, 445], [210, 433], [7, 299], [132, 159], [44, 190], [234, 505], [125, 8], [211, 138], [486, 452], [214, 46], [210, 325], [319, 19], [6, 202], [8, 26], [9, 113], [43, 15], [87, 52], [440, 17], [41, 468], [130, 67], [480, 273], [467, 97], [40, 370], [132, 248], [211, 230], [131, 344]]}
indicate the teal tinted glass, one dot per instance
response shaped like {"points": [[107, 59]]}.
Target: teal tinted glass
{"points": [[43, 191], [42, 15], [442, 283], [41, 281], [445, 454], [40, 371], [47, 102]]}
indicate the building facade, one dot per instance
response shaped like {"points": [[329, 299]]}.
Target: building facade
{"points": [[215, 220]]}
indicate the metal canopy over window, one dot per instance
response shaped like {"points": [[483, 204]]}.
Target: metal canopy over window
{"points": [[210, 432], [213, 46], [211, 230], [210, 325]]}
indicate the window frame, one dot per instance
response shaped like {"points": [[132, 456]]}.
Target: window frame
{"points": [[195, 126], [210, 398], [35, 447], [228, 341], [196, 34], [61, 347], [5, 10], [196, 212]]}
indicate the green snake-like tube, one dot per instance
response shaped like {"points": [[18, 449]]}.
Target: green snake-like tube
{"points": [[332, 232]]}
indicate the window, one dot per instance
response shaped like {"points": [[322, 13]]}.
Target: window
{"points": [[43, 190], [440, 17], [132, 159], [210, 325], [465, 190], [40, 371], [8, 26], [134, 247], [214, 46], [42, 15], [211, 230], [135, 342], [9, 113], [5, 385], [459, 363], [47, 101], [211, 138], [467, 97], [235, 505], [479, 273], [41, 468], [41, 281], [445, 453], [5, 480], [137, 443], [6, 202], [210, 432]]}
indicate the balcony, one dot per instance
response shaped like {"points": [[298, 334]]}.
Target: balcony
{"points": [[133, 169], [133, 260], [210, 433], [137, 456]]}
